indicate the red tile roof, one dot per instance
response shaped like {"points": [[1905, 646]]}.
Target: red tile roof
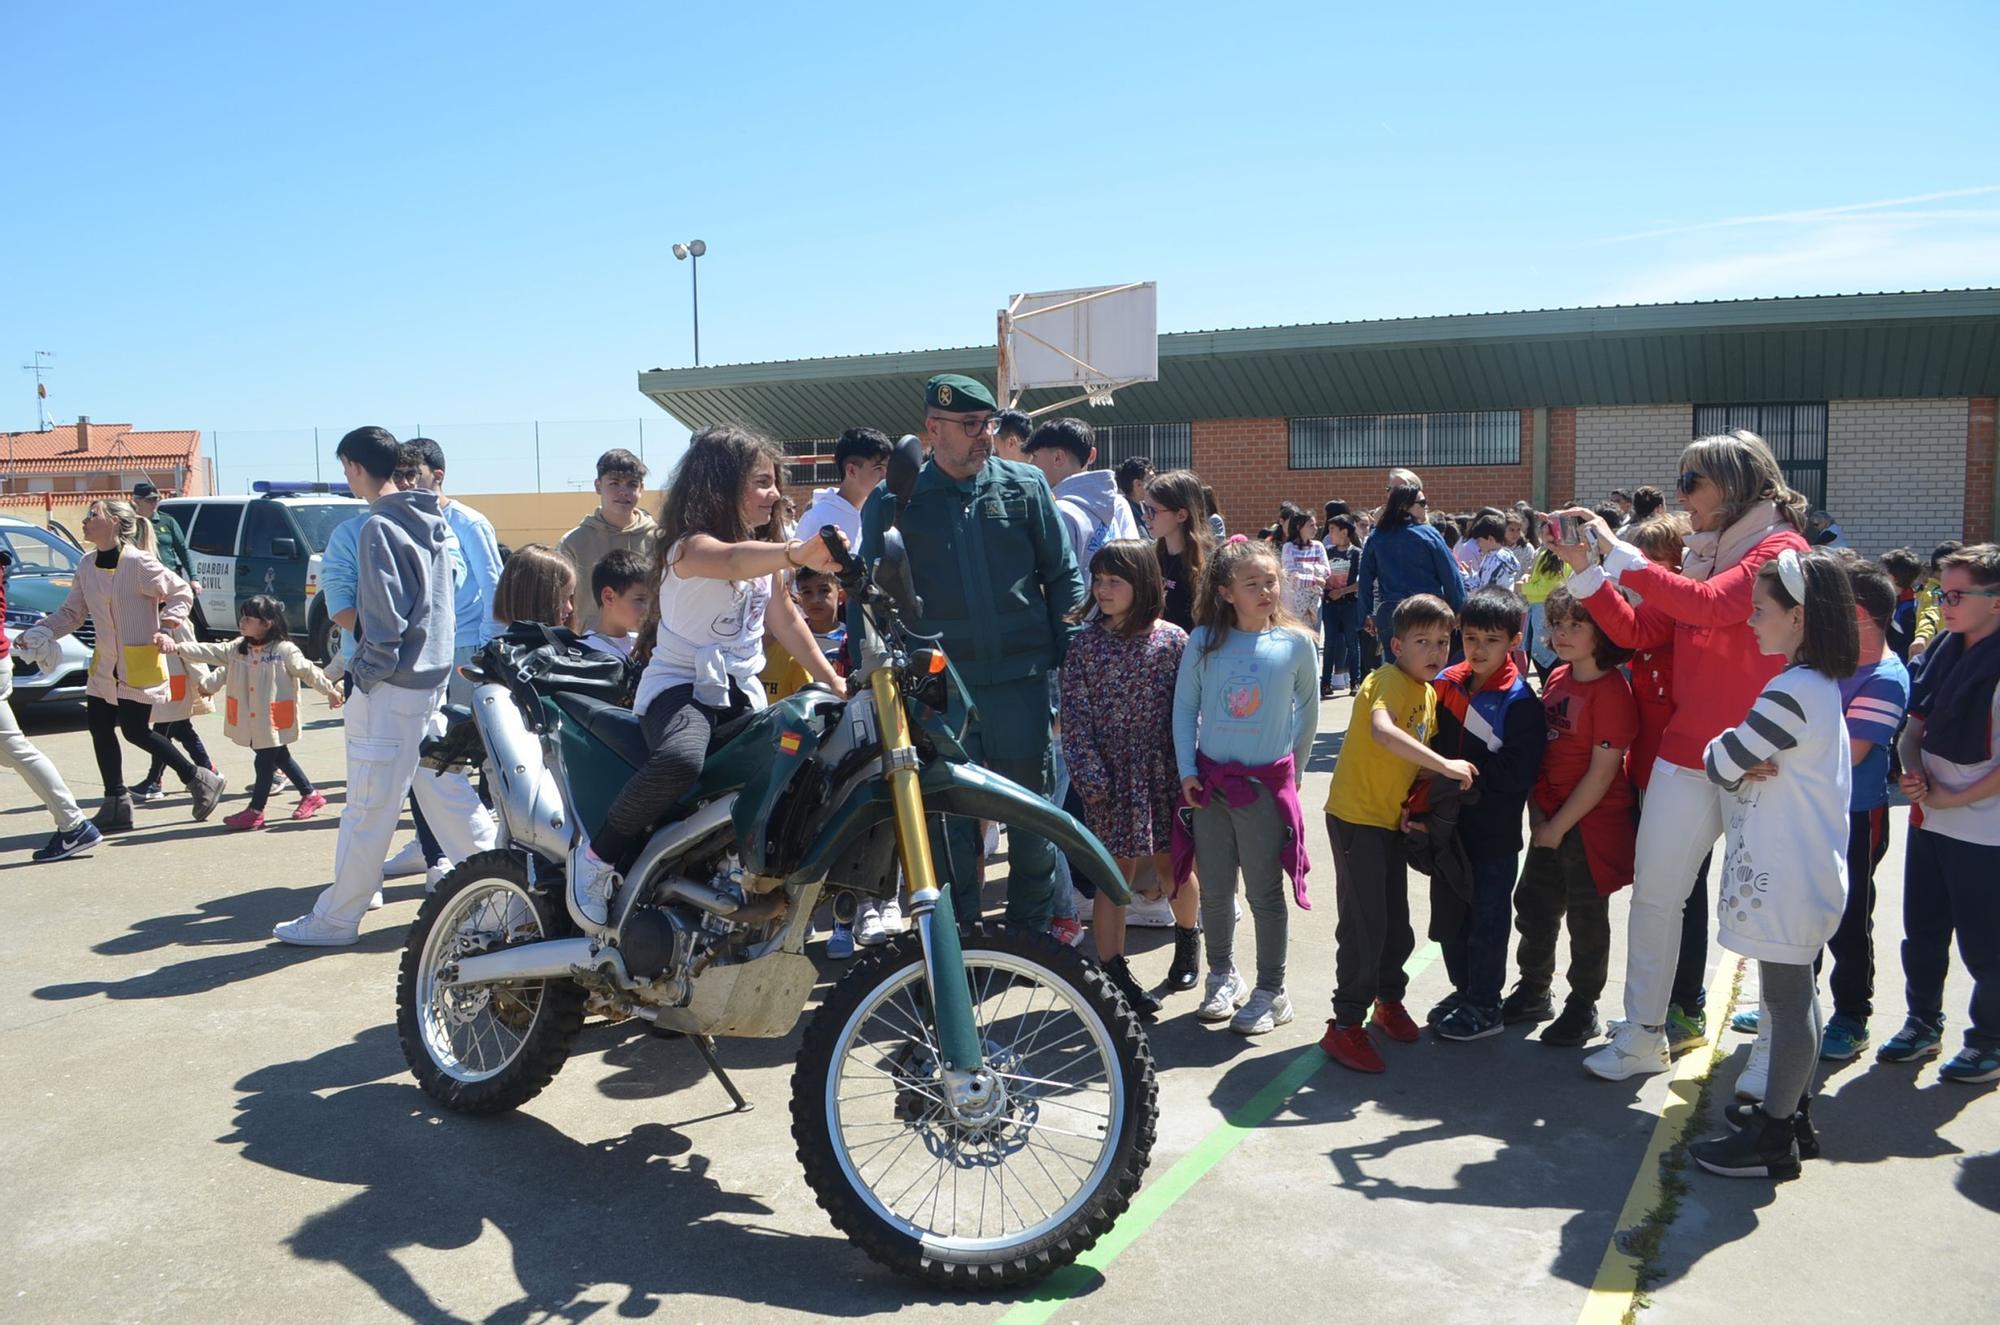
{"points": [[108, 446]]}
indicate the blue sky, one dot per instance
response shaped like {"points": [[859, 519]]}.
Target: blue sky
{"points": [[258, 219]]}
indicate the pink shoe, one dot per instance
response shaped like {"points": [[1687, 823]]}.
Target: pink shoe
{"points": [[308, 806], [245, 819]]}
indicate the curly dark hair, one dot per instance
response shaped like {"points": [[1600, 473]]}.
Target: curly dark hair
{"points": [[705, 494]]}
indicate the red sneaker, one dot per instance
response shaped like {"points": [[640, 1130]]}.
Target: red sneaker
{"points": [[1393, 1020], [308, 806], [1350, 1047], [1066, 930], [243, 819]]}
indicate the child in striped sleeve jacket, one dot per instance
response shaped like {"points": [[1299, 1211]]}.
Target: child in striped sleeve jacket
{"points": [[1785, 773]]}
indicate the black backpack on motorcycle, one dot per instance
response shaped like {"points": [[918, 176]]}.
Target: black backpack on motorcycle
{"points": [[555, 661]]}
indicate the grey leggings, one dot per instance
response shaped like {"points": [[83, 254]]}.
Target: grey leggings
{"points": [[1249, 841], [1792, 1004], [678, 730]]}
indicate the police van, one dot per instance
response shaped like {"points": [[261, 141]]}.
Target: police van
{"points": [[266, 543]]}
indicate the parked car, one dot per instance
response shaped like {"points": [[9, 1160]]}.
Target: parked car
{"points": [[267, 543], [42, 568]]}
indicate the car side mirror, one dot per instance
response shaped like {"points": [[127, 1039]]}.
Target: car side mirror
{"points": [[892, 576], [906, 461], [285, 549]]}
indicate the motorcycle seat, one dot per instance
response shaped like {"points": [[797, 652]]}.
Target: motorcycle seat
{"points": [[621, 732], [617, 728]]}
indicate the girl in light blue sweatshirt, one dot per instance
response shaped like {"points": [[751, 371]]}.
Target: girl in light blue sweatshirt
{"points": [[1246, 709]]}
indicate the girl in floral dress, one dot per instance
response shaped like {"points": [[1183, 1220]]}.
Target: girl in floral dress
{"points": [[1117, 732]]}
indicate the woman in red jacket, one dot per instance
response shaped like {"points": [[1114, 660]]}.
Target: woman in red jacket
{"points": [[1743, 515]]}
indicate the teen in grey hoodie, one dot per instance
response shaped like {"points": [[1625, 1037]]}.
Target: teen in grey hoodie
{"points": [[403, 609], [1094, 512], [403, 602]]}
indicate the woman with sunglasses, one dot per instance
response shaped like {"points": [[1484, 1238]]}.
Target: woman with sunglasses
{"points": [[1406, 557], [1743, 515]]}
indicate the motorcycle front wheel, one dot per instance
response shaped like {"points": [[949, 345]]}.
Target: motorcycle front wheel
{"points": [[993, 1200], [483, 1048]]}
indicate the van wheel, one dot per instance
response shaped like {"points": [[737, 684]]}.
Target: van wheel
{"points": [[322, 636]]}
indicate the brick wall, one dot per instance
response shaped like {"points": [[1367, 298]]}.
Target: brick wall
{"points": [[1895, 471], [1979, 463], [1625, 446], [1248, 463], [1562, 453]]}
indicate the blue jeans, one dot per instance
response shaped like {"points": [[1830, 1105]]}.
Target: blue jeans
{"points": [[1476, 959], [1340, 644]]}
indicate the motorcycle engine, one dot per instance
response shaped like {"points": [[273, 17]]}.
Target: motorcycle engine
{"points": [[671, 942]]}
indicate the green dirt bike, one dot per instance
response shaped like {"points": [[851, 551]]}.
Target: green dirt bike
{"points": [[973, 1110]]}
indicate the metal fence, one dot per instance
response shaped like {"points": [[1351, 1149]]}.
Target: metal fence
{"points": [[1796, 434], [1420, 441], [539, 455]]}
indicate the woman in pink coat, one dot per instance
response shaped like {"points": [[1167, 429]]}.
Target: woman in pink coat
{"points": [[129, 599]]}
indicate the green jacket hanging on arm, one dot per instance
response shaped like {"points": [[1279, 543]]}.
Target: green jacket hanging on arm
{"points": [[993, 565]]}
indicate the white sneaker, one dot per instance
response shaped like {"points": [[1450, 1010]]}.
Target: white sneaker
{"points": [[1223, 994], [311, 931], [1756, 1075], [1150, 913], [435, 876], [891, 912], [408, 861], [1633, 1051], [992, 843], [868, 928], [375, 902], [593, 884], [1267, 1010]]}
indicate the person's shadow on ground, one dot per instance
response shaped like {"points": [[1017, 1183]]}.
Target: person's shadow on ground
{"points": [[636, 1213]]}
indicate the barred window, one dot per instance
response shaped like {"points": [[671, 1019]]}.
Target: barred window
{"points": [[1169, 445], [811, 461], [1796, 434], [1417, 441]]}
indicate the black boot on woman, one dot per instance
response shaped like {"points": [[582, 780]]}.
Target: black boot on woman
{"points": [[1144, 1004], [1181, 976]]}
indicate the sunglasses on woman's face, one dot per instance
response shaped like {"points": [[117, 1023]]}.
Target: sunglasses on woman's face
{"points": [[1689, 481]]}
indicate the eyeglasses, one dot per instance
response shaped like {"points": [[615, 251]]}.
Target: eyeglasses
{"points": [[1688, 482], [1953, 597], [1422, 501], [978, 426]]}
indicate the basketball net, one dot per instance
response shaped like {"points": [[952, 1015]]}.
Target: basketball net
{"points": [[1098, 395]]}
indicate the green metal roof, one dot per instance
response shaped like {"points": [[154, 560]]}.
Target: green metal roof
{"points": [[1831, 347]]}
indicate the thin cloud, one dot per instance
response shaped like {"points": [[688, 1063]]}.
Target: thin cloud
{"points": [[1816, 215], [1850, 255]]}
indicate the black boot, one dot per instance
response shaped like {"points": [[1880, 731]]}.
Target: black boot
{"points": [[1186, 969], [115, 815], [1144, 1004], [1767, 1147], [1739, 1116]]}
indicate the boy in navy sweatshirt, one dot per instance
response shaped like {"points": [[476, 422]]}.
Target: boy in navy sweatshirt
{"points": [[1488, 715]]}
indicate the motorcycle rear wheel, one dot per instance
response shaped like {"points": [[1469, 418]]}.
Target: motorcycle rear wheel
{"points": [[489, 1048], [989, 1204]]}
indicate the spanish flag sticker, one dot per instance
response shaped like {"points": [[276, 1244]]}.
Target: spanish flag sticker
{"points": [[789, 743]]}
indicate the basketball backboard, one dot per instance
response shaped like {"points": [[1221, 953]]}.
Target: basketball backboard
{"points": [[1089, 341]]}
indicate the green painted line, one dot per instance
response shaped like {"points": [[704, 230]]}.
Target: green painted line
{"points": [[1048, 1296]]}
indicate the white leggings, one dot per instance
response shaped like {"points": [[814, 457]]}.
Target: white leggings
{"points": [[1678, 825]]}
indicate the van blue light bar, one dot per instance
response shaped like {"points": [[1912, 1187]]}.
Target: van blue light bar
{"points": [[283, 488]]}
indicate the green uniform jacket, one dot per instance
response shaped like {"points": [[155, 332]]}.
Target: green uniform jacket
{"points": [[991, 560], [173, 548]]}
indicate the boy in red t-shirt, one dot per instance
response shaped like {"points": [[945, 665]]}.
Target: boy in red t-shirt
{"points": [[1583, 828]]}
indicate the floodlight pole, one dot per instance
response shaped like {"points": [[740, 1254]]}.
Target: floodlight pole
{"points": [[1004, 389]]}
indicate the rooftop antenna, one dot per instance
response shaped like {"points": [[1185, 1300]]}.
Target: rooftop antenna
{"points": [[41, 390]]}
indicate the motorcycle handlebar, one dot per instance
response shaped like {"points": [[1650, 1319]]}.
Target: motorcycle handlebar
{"points": [[850, 565]]}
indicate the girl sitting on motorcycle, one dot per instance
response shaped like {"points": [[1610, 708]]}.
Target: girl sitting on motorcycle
{"points": [[721, 549]]}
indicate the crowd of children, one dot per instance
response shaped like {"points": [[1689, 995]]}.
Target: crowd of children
{"points": [[1546, 710]]}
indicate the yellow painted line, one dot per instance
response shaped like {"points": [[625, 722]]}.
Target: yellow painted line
{"points": [[1617, 1281]]}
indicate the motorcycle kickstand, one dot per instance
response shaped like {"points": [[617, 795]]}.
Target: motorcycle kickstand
{"points": [[705, 1045]]}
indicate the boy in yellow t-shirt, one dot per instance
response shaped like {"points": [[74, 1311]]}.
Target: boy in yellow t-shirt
{"points": [[1395, 714]]}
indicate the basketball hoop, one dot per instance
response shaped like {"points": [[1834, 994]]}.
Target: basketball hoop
{"points": [[1098, 396], [1084, 344]]}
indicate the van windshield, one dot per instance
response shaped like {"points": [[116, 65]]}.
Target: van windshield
{"points": [[318, 520]]}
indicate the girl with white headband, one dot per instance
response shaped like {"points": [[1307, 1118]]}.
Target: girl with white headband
{"points": [[1743, 515], [1785, 772]]}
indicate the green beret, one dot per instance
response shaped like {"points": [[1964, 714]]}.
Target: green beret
{"points": [[957, 394]]}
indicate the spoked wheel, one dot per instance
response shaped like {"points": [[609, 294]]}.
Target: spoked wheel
{"points": [[483, 1048], [976, 1196]]}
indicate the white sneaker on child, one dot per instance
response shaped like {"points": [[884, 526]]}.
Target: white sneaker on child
{"points": [[592, 884], [410, 860], [1224, 992], [1267, 1010], [891, 913], [1633, 1051], [1756, 1074], [1150, 912]]}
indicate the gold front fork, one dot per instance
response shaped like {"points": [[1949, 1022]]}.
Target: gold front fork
{"points": [[919, 870]]}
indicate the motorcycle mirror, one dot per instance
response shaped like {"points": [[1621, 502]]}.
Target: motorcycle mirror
{"points": [[892, 575], [906, 460]]}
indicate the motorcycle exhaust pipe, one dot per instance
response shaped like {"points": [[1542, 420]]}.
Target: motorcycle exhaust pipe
{"points": [[552, 959]]}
